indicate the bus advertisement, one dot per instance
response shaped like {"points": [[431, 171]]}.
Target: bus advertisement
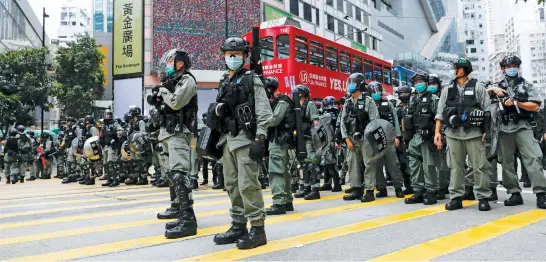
{"points": [[295, 56]]}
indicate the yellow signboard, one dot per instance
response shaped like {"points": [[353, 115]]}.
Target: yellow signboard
{"points": [[104, 51], [128, 37]]}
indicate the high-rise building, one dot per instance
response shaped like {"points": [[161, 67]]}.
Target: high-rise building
{"points": [[20, 27], [103, 15], [74, 21], [474, 33]]}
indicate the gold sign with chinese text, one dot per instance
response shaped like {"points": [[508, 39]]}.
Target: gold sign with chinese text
{"points": [[128, 36]]}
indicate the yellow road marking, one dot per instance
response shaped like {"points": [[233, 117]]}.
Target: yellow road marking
{"points": [[58, 193], [160, 239], [291, 242], [466, 238], [102, 228], [46, 211]]}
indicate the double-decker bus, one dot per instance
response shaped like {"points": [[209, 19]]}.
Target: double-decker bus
{"points": [[401, 76], [295, 56]]}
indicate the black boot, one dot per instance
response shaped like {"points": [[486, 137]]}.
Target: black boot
{"points": [[205, 183], [349, 190], [185, 226], [107, 183], [314, 194], [527, 184], [220, 184], [408, 190], [337, 185], [303, 192], [263, 182], [289, 206], [294, 188], [234, 233], [381, 192], [514, 200], [355, 194], [441, 194], [484, 205], [142, 181], [325, 187], [398, 192], [162, 183], [454, 204], [169, 213], [130, 181], [468, 193], [255, 238], [415, 199], [194, 184], [8, 179], [115, 182], [32, 178], [83, 181], [22, 179], [494, 196], [276, 210], [430, 198], [90, 182], [541, 200], [368, 197]]}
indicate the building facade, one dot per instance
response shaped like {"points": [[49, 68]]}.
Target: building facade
{"points": [[474, 33], [103, 16], [20, 27], [74, 21]]}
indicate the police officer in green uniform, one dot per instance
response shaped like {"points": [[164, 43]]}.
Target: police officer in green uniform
{"points": [[404, 95], [389, 160], [331, 175], [516, 131], [138, 175], [178, 98], [310, 184], [241, 115], [281, 127], [12, 158], [72, 168], [47, 146], [111, 145], [358, 111], [465, 109], [423, 155], [434, 87]]}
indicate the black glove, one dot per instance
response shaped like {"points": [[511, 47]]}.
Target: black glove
{"points": [[170, 85], [257, 150], [155, 89]]}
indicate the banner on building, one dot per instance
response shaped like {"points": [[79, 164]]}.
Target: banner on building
{"points": [[128, 36], [272, 13], [358, 46]]}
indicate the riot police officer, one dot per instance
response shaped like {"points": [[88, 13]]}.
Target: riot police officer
{"points": [[357, 112], [46, 156], [72, 169], [281, 126], [32, 161], [516, 131], [60, 155], [242, 108], [111, 145], [12, 158], [138, 174], [389, 160], [178, 103], [465, 108], [310, 184], [404, 95], [331, 176], [423, 155]]}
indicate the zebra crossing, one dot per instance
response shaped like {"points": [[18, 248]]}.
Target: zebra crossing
{"points": [[47, 221]]}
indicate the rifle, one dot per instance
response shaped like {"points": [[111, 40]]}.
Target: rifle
{"points": [[255, 51], [512, 97], [301, 150], [41, 151]]}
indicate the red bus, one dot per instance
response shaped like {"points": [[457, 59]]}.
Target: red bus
{"points": [[295, 56]]}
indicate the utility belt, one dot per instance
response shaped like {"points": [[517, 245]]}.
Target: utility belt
{"points": [[467, 119], [354, 130], [242, 118], [517, 117], [175, 122]]}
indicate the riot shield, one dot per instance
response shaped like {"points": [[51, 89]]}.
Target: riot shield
{"points": [[379, 135], [92, 148]]}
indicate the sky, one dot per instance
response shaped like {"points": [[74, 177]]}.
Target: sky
{"points": [[53, 9]]}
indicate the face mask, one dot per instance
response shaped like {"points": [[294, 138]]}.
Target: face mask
{"points": [[420, 87], [352, 88], [511, 72], [234, 62], [454, 74], [404, 98], [432, 89], [376, 96], [170, 70]]}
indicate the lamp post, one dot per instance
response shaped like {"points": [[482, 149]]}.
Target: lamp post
{"points": [[226, 19], [44, 16]]}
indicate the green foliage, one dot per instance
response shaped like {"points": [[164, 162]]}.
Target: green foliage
{"points": [[540, 2], [23, 84], [78, 76]]}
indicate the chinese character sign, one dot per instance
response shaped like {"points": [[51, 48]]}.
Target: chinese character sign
{"points": [[128, 37]]}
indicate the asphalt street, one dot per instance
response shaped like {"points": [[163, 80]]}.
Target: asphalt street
{"points": [[45, 220]]}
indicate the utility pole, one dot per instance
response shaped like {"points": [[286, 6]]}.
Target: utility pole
{"points": [[44, 16]]}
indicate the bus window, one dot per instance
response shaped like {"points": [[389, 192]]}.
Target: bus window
{"points": [[301, 50], [396, 77], [368, 71], [266, 46], [387, 75], [315, 43], [378, 74], [283, 46], [357, 64], [331, 58], [345, 62], [405, 78], [317, 56]]}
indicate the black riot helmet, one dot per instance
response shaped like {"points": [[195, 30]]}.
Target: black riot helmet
{"points": [[302, 90], [108, 115], [404, 93], [329, 103], [510, 60], [359, 80], [20, 129], [375, 87], [45, 135], [135, 111], [181, 55], [88, 120], [271, 83], [464, 64], [434, 79], [419, 76], [30, 133], [235, 44]]}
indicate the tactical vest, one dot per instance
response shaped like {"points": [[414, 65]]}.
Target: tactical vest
{"points": [[422, 112], [385, 111], [107, 134], [357, 116], [461, 106], [282, 133], [11, 146], [521, 95], [238, 95]]}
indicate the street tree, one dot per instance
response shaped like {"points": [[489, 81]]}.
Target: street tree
{"points": [[79, 79], [24, 80]]}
